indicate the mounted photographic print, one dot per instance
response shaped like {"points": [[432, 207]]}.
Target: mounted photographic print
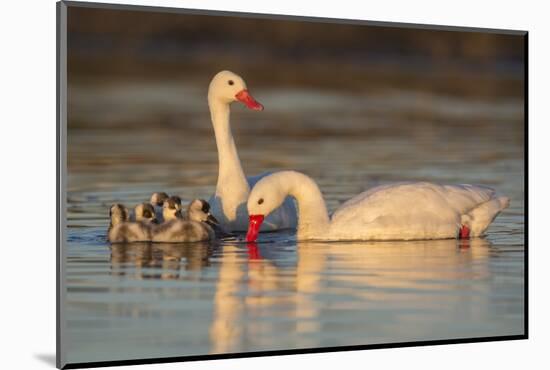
{"points": [[234, 185]]}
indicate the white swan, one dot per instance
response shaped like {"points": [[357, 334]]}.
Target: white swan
{"points": [[229, 201], [403, 211]]}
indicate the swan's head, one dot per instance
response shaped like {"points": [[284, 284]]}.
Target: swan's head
{"points": [[199, 210], [171, 209], [266, 196], [157, 199], [118, 214], [145, 212], [227, 87]]}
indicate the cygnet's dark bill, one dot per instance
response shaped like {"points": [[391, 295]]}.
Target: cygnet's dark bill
{"points": [[212, 221]]}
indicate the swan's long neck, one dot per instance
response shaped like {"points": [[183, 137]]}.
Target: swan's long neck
{"points": [[232, 186], [313, 218]]}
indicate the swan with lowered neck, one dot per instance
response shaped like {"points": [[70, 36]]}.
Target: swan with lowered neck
{"points": [[403, 211], [232, 189]]}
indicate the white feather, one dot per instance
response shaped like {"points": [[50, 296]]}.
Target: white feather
{"points": [[402, 211]]}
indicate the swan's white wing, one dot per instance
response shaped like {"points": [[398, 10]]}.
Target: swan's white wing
{"points": [[419, 210]]}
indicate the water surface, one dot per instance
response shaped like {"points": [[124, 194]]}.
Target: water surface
{"points": [[158, 300]]}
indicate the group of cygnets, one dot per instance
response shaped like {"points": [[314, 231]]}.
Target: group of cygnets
{"points": [[163, 220]]}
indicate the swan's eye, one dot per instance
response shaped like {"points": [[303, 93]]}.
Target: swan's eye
{"points": [[260, 201], [230, 82]]}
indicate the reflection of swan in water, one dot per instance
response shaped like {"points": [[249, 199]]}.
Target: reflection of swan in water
{"points": [[235, 314], [405, 263], [225, 330], [372, 274]]}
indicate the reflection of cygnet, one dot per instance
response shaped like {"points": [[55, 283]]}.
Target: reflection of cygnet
{"points": [[193, 228], [122, 231], [145, 212]]}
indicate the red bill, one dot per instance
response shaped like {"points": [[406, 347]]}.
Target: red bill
{"points": [[244, 97], [254, 224]]}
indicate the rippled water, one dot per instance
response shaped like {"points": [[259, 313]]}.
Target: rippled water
{"points": [[159, 300]]}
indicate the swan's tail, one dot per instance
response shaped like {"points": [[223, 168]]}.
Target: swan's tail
{"points": [[479, 218]]}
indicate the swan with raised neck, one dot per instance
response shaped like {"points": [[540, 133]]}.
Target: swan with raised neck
{"points": [[232, 188], [401, 211]]}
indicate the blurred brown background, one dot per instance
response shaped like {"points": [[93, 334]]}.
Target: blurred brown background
{"points": [[122, 44]]}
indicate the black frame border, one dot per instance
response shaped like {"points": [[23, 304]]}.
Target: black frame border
{"points": [[61, 122]]}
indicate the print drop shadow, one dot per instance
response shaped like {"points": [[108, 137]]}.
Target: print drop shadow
{"points": [[47, 358]]}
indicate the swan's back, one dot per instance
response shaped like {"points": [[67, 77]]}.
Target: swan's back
{"points": [[409, 210]]}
